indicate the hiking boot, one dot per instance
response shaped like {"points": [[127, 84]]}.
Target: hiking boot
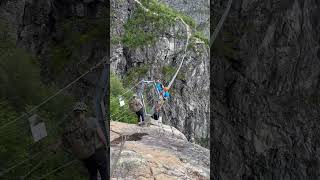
{"points": [[141, 123]]}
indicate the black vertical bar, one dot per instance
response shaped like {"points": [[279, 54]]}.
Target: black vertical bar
{"points": [[102, 96], [107, 89]]}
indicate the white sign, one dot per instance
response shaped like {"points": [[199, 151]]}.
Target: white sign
{"points": [[39, 132], [38, 128], [121, 101]]}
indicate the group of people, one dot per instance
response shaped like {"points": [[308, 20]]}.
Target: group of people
{"points": [[136, 104]]}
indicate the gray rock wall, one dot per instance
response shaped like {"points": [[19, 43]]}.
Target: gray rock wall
{"points": [[199, 10], [265, 91], [38, 27]]}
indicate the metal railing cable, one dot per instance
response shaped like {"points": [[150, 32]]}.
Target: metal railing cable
{"points": [[114, 165], [19, 164], [57, 169], [221, 22], [53, 96]]}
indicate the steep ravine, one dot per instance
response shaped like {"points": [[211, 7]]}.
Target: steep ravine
{"points": [[188, 109], [265, 78]]}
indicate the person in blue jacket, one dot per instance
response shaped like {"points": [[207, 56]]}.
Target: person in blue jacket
{"points": [[159, 86], [166, 94]]}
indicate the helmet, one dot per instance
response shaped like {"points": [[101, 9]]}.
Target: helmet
{"points": [[166, 89], [80, 106]]}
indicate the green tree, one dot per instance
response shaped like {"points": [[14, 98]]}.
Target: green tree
{"points": [[117, 90]]}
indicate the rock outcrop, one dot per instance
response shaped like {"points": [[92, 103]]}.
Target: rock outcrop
{"points": [[156, 152], [265, 90]]}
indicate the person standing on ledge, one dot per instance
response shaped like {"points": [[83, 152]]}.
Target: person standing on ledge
{"points": [[84, 138], [137, 107]]}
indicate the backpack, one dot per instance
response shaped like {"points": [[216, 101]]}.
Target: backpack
{"points": [[81, 141], [135, 105]]}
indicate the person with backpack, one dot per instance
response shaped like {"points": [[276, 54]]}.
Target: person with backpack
{"points": [[84, 138], [137, 107]]}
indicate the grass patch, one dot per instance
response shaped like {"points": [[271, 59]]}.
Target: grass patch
{"points": [[134, 74], [169, 71], [201, 36], [144, 27]]}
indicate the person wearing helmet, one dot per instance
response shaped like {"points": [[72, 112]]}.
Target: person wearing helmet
{"points": [[84, 138], [136, 106]]}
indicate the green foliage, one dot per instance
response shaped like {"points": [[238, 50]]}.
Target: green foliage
{"points": [[16, 144], [13, 142], [122, 114], [6, 41], [78, 33], [19, 78], [82, 30], [134, 74], [169, 71], [20, 90], [115, 39], [59, 58], [167, 12], [201, 36], [145, 27]]}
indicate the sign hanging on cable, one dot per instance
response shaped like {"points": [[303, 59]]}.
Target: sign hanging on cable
{"points": [[38, 128]]}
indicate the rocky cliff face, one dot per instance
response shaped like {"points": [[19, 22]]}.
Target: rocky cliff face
{"points": [[199, 10], [62, 35], [265, 90], [155, 153], [188, 109]]}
